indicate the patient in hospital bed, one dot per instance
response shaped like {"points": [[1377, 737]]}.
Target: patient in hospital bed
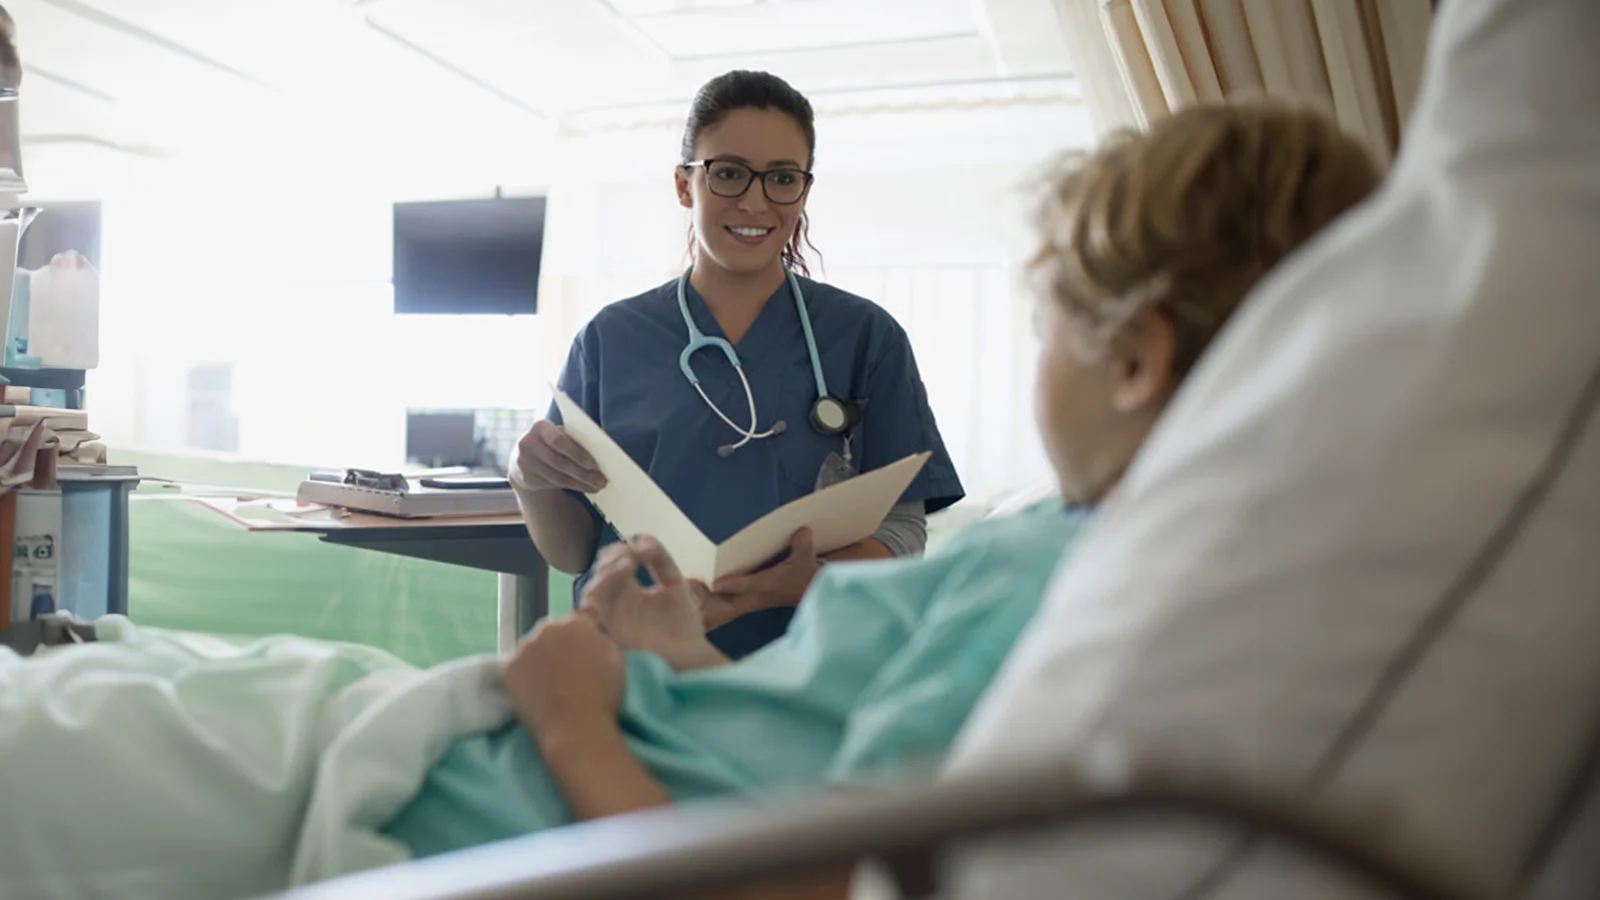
{"points": [[1147, 246], [153, 764]]}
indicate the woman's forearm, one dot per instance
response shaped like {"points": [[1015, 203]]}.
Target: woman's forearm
{"points": [[597, 773], [560, 526], [866, 548]]}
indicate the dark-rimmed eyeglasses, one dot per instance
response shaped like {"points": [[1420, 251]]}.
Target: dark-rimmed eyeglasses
{"points": [[730, 179]]}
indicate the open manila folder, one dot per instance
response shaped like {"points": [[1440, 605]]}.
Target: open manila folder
{"points": [[838, 515]]}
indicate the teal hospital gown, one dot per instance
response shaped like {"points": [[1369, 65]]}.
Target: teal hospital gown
{"points": [[877, 674]]}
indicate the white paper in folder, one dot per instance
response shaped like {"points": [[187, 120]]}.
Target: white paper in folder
{"points": [[838, 515]]}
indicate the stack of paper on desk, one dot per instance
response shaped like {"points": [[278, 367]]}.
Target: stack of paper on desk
{"points": [[838, 515]]}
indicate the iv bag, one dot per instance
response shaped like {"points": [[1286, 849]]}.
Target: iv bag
{"points": [[11, 180]]}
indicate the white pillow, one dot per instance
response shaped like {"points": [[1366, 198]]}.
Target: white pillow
{"points": [[1360, 561]]}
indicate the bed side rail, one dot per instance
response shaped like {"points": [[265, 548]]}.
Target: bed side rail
{"points": [[907, 827]]}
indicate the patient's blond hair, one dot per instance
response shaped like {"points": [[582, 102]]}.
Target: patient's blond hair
{"points": [[1187, 217]]}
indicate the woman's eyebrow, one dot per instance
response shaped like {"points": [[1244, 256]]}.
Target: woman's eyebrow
{"points": [[784, 163]]}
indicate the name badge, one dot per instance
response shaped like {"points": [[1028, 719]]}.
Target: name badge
{"points": [[834, 470]]}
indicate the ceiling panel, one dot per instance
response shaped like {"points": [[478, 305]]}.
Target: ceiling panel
{"points": [[583, 24], [790, 27], [659, 7], [546, 55], [500, 17], [118, 85], [263, 40], [581, 54], [464, 82]]}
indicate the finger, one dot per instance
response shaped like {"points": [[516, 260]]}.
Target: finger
{"points": [[609, 581], [800, 545], [592, 615], [737, 584], [589, 624], [719, 609], [537, 469], [657, 561], [611, 552], [569, 449], [551, 444], [559, 470], [616, 563]]}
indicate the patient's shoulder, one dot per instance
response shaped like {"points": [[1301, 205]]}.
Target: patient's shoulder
{"points": [[1041, 529], [1000, 563]]}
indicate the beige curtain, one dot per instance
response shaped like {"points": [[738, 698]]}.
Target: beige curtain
{"points": [[1361, 60], [1096, 64]]}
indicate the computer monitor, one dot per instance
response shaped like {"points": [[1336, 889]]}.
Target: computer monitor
{"points": [[475, 438], [443, 438]]}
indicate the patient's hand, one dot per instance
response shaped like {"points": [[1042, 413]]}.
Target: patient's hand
{"points": [[663, 619], [566, 677]]}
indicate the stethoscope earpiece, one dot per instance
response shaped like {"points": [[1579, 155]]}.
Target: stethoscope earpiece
{"points": [[829, 415], [778, 427]]}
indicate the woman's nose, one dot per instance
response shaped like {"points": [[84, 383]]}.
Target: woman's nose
{"points": [[754, 199]]}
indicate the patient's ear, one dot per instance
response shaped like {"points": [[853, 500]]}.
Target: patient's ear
{"points": [[1144, 359]]}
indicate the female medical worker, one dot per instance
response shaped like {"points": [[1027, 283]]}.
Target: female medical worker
{"points": [[742, 384]]}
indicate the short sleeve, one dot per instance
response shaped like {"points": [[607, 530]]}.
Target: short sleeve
{"points": [[580, 377], [897, 422], [580, 380]]}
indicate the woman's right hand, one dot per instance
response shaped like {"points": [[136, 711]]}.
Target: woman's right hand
{"points": [[548, 459]]}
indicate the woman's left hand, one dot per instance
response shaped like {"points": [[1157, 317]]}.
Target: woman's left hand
{"points": [[566, 676], [781, 584]]}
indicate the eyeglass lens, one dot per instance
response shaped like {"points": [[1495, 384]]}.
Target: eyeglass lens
{"points": [[731, 179]]}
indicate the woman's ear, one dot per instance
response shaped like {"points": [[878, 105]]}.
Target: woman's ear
{"points": [[680, 183], [1143, 364]]}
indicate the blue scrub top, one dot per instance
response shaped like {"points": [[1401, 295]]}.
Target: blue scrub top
{"points": [[623, 370]]}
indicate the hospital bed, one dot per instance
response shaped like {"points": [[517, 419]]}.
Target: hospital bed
{"points": [[909, 830], [1424, 612]]}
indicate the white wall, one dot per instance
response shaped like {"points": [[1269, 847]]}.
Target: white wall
{"points": [[270, 251]]}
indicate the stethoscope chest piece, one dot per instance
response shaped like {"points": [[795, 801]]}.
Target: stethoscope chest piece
{"points": [[830, 415]]}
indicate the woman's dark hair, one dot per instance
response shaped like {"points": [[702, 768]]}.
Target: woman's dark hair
{"points": [[744, 89]]}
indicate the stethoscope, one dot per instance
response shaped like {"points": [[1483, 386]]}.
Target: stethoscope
{"points": [[829, 414]]}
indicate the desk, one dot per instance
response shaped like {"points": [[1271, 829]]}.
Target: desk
{"points": [[497, 544]]}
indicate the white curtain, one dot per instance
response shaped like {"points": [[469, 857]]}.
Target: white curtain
{"points": [[1361, 60]]}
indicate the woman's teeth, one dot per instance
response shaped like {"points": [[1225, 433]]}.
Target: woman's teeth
{"points": [[749, 232]]}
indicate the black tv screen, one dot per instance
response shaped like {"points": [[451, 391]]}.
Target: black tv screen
{"points": [[468, 257]]}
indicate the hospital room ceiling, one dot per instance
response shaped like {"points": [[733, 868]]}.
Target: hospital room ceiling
{"points": [[164, 78]]}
